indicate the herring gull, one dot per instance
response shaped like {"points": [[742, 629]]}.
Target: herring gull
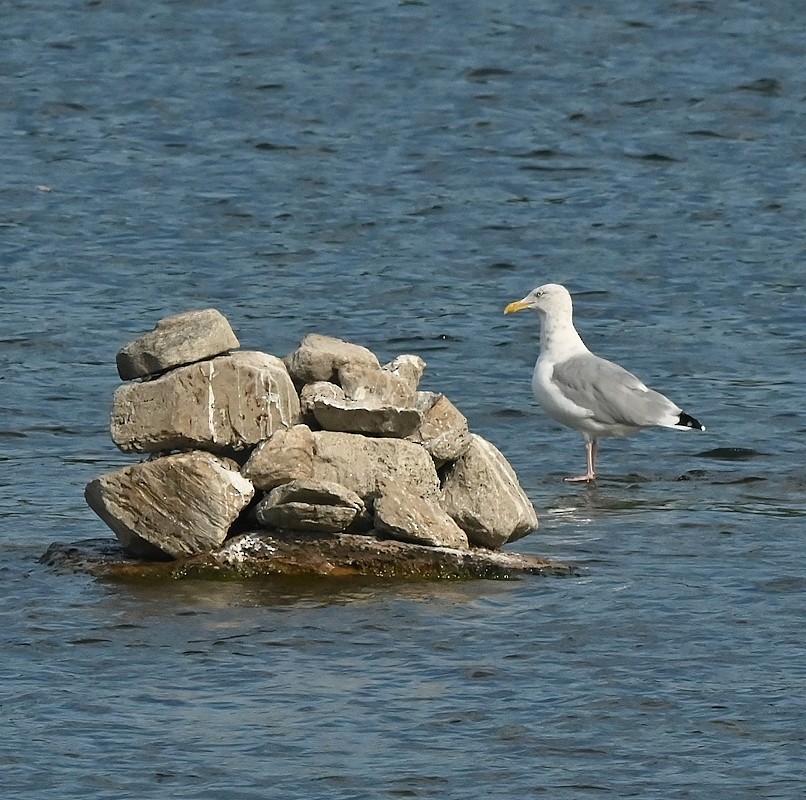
{"points": [[585, 392]]}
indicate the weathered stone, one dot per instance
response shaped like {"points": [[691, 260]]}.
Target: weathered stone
{"points": [[332, 410], [408, 368], [310, 505], [443, 432], [362, 463], [481, 492], [176, 505], [318, 358], [286, 456], [409, 518], [314, 392], [262, 553], [228, 403], [375, 386], [177, 340], [366, 416]]}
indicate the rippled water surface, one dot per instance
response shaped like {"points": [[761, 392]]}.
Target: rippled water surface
{"points": [[394, 173]]}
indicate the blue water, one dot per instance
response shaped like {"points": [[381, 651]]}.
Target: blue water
{"points": [[395, 173]]}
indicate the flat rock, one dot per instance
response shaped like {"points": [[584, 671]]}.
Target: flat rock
{"points": [[264, 554], [408, 518], [175, 341], [362, 464], [225, 404], [175, 506], [286, 456], [366, 417], [310, 505], [481, 492], [319, 358], [332, 410], [444, 431]]}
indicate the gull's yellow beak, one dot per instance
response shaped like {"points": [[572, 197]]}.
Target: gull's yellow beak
{"points": [[518, 305]]}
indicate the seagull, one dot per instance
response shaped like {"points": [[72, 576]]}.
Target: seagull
{"points": [[585, 392]]}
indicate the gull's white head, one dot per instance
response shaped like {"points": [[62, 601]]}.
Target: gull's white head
{"points": [[549, 299]]}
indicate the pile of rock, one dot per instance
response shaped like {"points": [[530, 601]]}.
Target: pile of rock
{"points": [[325, 441]]}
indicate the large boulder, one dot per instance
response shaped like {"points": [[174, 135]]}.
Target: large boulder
{"points": [[310, 505], [318, 358], [481, 492], [286, 456], [226, 404], [176, 506], [177, 340], [362, 464]]}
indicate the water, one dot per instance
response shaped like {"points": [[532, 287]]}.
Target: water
{"points": [[395, 174]]}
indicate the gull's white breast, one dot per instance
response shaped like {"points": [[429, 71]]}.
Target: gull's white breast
{"points": [[555, 403]]}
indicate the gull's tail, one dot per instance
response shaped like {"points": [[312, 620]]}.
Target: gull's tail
{"points": [[687, 421]]}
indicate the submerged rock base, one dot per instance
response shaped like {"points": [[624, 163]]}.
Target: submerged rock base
{"points": [[262, 554]]}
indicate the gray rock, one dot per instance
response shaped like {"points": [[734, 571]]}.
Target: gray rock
{"points": [[444, 431], [314, 392], [332, 410], [408, 518], [177, 505], [310, 505], [407, 368], [376, 386], [481, 492], [175, 341], [362, 463], [366, 416], [226, 404], [318, 358], [286, 456]]}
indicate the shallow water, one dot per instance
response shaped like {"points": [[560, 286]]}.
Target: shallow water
{"points": [[395, 174]]}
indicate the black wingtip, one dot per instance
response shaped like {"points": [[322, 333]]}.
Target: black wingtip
{"points": [[687, 421]]}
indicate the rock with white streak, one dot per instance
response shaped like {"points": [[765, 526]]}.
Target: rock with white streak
{"points": [[310, 505], [285, 457], [408, 518], [481, 492], [175, 341], [175, 506], [225, 404]]}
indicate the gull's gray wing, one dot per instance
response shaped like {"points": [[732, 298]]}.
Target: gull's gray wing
{"points": [[612, 395]]}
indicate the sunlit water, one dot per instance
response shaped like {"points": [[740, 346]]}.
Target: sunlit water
{"points": [[395, 173]]}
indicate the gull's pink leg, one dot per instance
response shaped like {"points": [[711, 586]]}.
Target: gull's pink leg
{"points": [[590, 457]]}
